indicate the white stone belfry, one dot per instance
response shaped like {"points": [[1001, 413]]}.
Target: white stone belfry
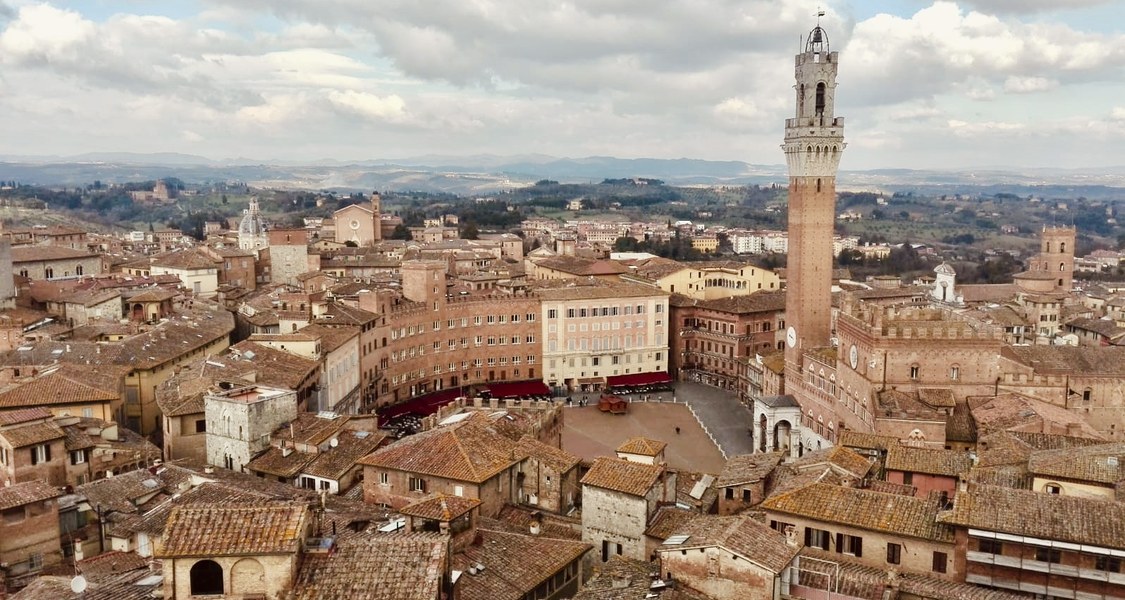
{"points": [[945, 280], [252, 230]]}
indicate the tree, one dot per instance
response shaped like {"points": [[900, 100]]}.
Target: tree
{"points": [[470, 232], [401, 232]]}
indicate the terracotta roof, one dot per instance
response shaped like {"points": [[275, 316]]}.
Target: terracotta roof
{"points": [[1095, 464], [851, 438], [27, 492], [469, 450], [905, 405], [642, 446], [843, 459], [185, 260], [440, 507], [24, 415], [216, 530], [280, 463], [738, 534], [518, 519], [581, 266], [758, 301], [988, 292], [937, 397], [32, 433], [669, 520], [515, 564], [748, 468], [271, 367], [1017, 412], [655, 268], [960, 426], [627, 579], [402, 566], [332, 338], [352, 446], [588, 288], [122, 493], [1072, 360], [54, 388], [1046, 516], [857, 580], [931, 461], [131, 584], [556, 458], [28, 254], [864, 509], [634, 479], [153, 295]]}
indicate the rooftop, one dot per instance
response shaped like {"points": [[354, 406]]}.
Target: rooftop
{"points": [[634, 479], [739, 534], [223, 530], [864, 509]]}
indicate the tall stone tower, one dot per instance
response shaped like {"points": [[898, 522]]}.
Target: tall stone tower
{"points": [[1056, 256], [376, 218], [814, 142]]}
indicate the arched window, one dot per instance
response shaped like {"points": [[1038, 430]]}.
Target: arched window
{"points": [[78, 270], [801, 100], [1062, 246], [1062, 266], [818, 185], [820, 91], [206, 578]]}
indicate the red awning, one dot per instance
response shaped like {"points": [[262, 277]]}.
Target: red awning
{"points": [[421, 405], [516, 389], [637, 379]]}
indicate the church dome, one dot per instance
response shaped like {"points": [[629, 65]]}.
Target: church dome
{"points": [[251, 223]]}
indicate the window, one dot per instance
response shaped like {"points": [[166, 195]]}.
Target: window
{"points": [[940, 560], [747, 495], [1111, 564], [780, 526], [730, 494], [384, 478], [908, 478], [35, 561], [40, 454], [1052, 488], [914, 371], [816, 537], [417, 484], [552, 314], [990, 546], [1048, 555], [3, 456], [206, 577], [849, 544], [894, 554], [955, 372], [78, 457]]}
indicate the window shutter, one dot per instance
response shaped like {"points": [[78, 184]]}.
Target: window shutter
{"points": [[839, 542], [808, 537], [47, 451], [857, 546], [34, 456]]}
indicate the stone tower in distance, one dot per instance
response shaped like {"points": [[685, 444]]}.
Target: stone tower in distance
{"points": [[814, 142]]}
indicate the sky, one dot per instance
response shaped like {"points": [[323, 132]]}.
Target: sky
{"points": [[922, 84]]}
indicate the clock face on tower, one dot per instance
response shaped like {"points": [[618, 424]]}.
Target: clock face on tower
{"points": [[853, 356], [791, 337]]}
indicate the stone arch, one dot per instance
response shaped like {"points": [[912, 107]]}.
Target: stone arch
{"points": [[781, 435], [247, 576], [206, 578]]}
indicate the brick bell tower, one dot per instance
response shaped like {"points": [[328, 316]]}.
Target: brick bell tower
{"points": [[814, 142]]}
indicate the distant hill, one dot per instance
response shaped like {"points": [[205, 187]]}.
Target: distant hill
{"points": [[487, 173]]}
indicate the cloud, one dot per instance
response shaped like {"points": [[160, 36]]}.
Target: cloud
{"points": [[388, 108], [942, 47], [1118, 113], [1033, 6], [1029, 85]]}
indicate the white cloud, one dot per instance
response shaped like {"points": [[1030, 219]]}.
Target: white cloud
{"points": [[1029, 85], [703, 78], [1118, 113]]}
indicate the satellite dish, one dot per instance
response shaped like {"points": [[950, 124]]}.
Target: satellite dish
{"points": [[78, 584], [334, 442]]}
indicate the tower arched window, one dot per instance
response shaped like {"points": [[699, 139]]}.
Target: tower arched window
{"points": [[1062, 246], [821, 89], [1062, 266], [818, 185], [801, 100]]}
